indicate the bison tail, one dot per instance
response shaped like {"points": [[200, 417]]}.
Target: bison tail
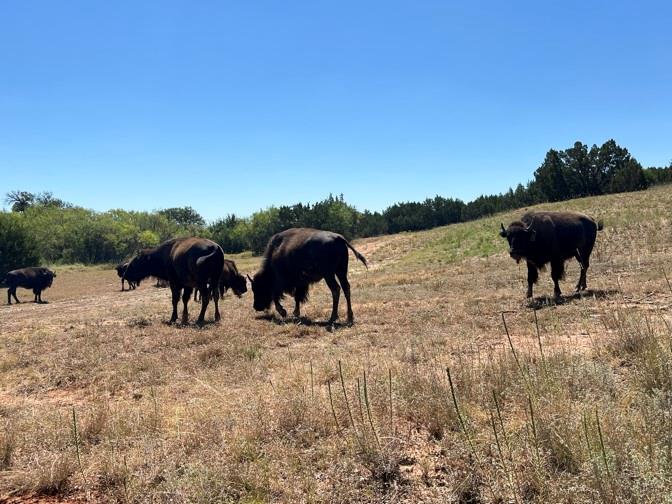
{"points": [[357, 254], [214, 261], [600, 225]]}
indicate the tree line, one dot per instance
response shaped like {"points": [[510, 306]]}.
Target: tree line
{"points": [[43, 228]]}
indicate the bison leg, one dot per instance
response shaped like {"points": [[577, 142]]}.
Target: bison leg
{"points": [[205, 300], [345, 285], [122, 285], [557, 272], [300, 296], [532, 277], [215, 299], [186, 296], [335, 294], [175, 290], [12, 292], [279, 308], [584, 261]]}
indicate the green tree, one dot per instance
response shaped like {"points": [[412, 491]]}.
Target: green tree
{"points": [[18, 247], [579, 173], [19, 201], [629, 177], [549, 178], [183, 216]]}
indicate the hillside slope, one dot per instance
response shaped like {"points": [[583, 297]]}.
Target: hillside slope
{"points": [[573, 405]]}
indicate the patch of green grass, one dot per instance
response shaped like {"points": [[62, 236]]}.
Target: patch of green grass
{"points": [[456, 242], [647, 212]]}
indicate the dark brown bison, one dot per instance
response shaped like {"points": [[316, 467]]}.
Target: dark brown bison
{"points": [[230, 279], [36, 279], [121, 269], [187, 264], [543, 237], [298, 257]]}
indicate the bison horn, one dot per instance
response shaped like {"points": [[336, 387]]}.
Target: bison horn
{"points": [[502, 233]]}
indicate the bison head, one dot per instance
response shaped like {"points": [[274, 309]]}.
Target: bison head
{"points": [[239, 285], [521, 239], [121, 269], [262, 288], [139, 268]]}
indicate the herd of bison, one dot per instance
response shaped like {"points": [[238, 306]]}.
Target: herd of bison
{"points": [[298, 257]]}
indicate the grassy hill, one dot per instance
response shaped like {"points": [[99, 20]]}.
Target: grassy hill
{"points": [[567, 402]]}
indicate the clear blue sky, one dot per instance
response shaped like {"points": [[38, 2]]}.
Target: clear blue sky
{"points": [[234, 106]]}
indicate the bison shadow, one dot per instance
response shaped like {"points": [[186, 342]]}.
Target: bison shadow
{"points": [[303, 321], [190, 324], [541, 302]]}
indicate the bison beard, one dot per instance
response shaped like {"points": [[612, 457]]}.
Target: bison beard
{"points": [[186, 263], [552, 237], [298, 257], [33, 278]]}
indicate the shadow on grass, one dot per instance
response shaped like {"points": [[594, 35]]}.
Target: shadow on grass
{"points": [[190, 324], [542, 302], [304, 321]]}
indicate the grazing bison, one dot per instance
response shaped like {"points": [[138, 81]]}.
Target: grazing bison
{"points": [[187, 264], [121, 269], [543, 237], [298, 257], [36, 279], [230, 279]]}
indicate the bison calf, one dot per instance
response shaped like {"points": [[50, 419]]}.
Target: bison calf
{"points": [[552, 237], [121, 270], [230, 279], [36, 279], [298, 257]]}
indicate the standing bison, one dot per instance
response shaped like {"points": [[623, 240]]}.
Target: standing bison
{"points": [[187, 264], [543, 237], [121, 269], [36, 279], [298, 257]]}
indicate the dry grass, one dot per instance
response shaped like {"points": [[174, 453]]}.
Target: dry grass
{"points": [[574, 409]]}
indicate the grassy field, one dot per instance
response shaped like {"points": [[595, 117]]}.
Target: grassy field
{"points": [[450, 387]]}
